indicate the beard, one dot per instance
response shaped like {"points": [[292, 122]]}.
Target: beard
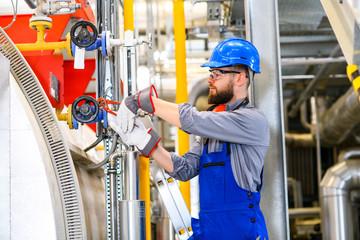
{"points": [[223, 96]]}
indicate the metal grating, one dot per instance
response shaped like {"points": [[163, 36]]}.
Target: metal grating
{"points": [[301, 165], [72, 205]]}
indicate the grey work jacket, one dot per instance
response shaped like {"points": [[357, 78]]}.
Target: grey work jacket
{"points": [[247, 131]]}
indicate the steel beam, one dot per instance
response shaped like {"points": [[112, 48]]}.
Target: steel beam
{"points": [[266, 94]]}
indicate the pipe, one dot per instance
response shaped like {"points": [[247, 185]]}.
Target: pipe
{"points": [[65, 117], [336, 125], [303, 116], [347, 154], [133, 214], [340, 120], [310, 88], [131, 175], [128, 15], [304, 212], [32, 3], [40, 44], [310, 61], [296, 189], [144, 173], [299, 139], [181, 82], [336, 212]]}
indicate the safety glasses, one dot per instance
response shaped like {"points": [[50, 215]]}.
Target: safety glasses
{"points": [[218, 73]]}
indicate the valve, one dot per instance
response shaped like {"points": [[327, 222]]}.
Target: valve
{"points": [[83, 34], [85, 109]]}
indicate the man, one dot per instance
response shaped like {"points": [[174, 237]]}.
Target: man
{"points": [[229, 158]]}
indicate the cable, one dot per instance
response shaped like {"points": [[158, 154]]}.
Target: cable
{"points": [[15, 13], [100, 164]]}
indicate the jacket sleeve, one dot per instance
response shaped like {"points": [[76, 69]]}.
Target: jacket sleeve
{"points": [[187, 165], [243, 126]]}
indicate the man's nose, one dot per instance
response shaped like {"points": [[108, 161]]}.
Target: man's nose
{"points": [[210, 79]]}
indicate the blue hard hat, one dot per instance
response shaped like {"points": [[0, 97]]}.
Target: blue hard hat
{"points": [[234, 51]]}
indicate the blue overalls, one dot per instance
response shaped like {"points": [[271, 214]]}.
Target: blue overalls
{"points": [[227, 212]]}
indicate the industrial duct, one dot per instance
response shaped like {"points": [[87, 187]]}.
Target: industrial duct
{"points": [[340, 120], [335, 188]]}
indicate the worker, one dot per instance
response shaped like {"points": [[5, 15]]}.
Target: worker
{"points": [[229, 156]]}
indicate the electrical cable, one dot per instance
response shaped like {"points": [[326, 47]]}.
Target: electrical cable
{"points": [[100, 164], [15, 14]]}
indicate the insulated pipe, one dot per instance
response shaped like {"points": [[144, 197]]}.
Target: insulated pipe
{"points": [[181, 82], [340, 120], [335, 187]]}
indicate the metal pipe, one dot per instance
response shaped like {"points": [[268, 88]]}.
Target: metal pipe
{"points": [[299, 140], [132, 226], [303, 116], [310, 61], [315, 122], [304, 77], [181, 82], [131, 175], [347, 154], [336, 212], [296, 189], [32, 3], [340, 120], [304, 212], [310, 88], [112, 172]]}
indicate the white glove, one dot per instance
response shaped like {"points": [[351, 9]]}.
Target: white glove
{"points": [[130, 106], [145, 140], [125, 117]]}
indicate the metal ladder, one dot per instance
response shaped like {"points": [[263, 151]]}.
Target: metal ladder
{"points": [[173, 200]]}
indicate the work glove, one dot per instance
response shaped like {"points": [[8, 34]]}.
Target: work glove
{"points": [[130, 106], [144, 139]]}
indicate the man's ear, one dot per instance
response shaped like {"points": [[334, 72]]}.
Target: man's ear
{"points": [[240, 79]]}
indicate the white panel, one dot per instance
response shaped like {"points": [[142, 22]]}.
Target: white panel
{"points": [[31, 209], [4, 149]]}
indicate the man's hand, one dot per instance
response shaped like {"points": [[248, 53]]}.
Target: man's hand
{"points": [[145, 140], [130, 106]]}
